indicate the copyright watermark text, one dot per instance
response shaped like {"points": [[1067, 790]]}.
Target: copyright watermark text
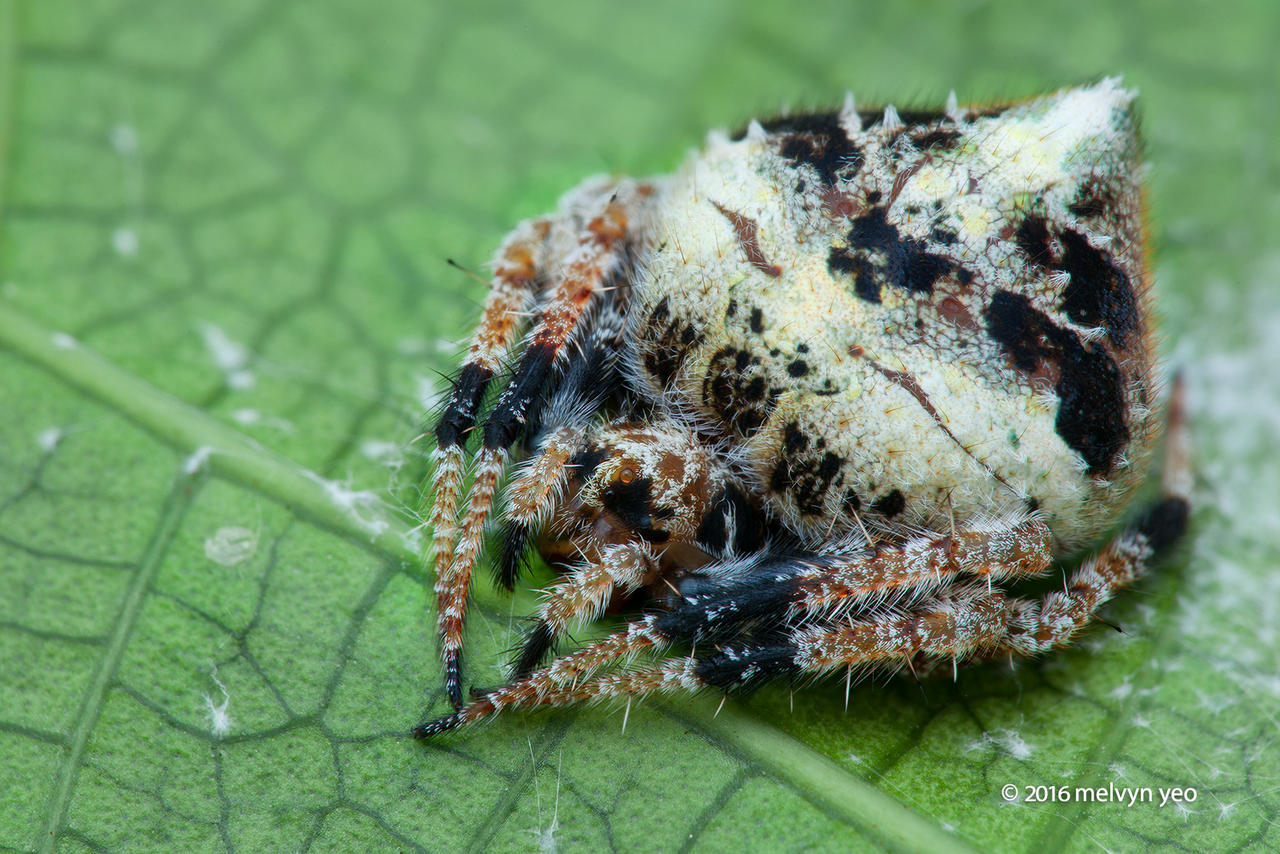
{"points": [[1128, 796]]}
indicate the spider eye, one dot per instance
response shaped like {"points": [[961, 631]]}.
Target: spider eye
{"points": [[627, 475]]}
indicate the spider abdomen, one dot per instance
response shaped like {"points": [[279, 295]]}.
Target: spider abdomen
{"points": [[954, 329]]}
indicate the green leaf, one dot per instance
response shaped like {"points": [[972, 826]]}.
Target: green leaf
{"points": [[223, 307]]}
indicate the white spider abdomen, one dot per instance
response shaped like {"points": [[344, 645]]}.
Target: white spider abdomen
{"points": [[916, 324]]}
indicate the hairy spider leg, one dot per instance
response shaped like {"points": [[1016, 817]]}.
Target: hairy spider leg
{"points": [[1038, 625], [596, 260], [955, 623], [710, 515], [533, 495], [996, 552], [949, 624], [590, 377], [512, 289], [563, 673], [514, 283], [744, 609], [583, 595], [796, 588], [961, 621], [958, 622]]}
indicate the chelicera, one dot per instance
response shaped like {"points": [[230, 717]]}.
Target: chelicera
{"points": [[819, 401]]}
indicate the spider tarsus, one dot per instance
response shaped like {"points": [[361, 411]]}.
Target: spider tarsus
{"points": [[534, 650], [515, 541], [1164, 522], [439, 726], [453, 678]]}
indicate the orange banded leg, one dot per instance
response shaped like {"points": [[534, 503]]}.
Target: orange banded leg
{"points": [[514, 283], [562, 675], [1004, 552], [533, 495], [591, 266], [512, 289], [1039, 625], [950, 625], [583, 595], [814, 587], [958, 622]]}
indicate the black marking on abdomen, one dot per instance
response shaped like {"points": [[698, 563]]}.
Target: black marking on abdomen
{"points": [[865, 284], [890, 504], [1034, 240], [852, 503], [939, 139], [803, 474], [1093, 200], [817, 140], [666, 342], [877, 254], [736, 389], [1099, 293], [1091, 411]]}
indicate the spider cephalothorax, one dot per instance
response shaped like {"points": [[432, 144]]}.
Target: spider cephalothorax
{"points": [[820, 397]]}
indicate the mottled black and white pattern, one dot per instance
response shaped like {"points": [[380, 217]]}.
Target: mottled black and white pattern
{"points": [[817, 400]]}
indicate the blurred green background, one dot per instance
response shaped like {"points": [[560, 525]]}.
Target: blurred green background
{"points": [[213, 634]]}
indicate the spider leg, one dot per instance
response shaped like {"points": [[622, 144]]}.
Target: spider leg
{"points": [[515, 280], [533, 495], [994, 553], [965, 620], [764, 601], [514, 283], [582, 595], [1039, 625], [796, 588], [589, 379], [558, 676], [743, 608], [597, 259], [954, 623]]}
